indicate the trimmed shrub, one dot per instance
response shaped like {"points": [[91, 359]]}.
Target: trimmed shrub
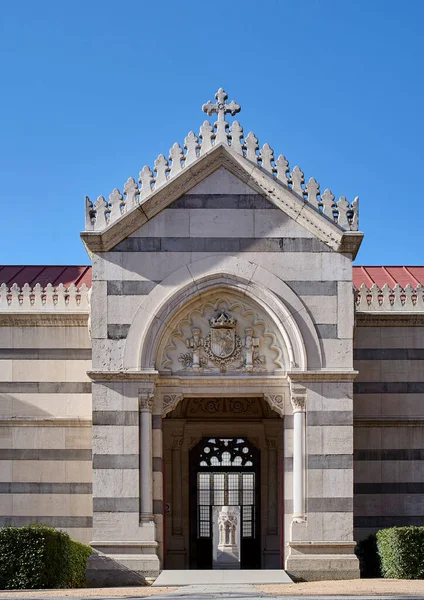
{"points": [[369, 559], [36, 556], [401, 551], [80, 553]]}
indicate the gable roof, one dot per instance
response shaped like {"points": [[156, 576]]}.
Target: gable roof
{"points": [[221, 145]]}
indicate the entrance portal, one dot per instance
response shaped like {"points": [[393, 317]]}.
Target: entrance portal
{"points": [[224, 504]]}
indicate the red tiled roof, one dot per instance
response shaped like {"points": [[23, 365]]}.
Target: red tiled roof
{"points": [[390, 275], [45, 274], [82, 274]]}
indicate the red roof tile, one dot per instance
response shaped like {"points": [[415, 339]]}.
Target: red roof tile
{"points": [[80, 274], [390, 275], [46, 274]]}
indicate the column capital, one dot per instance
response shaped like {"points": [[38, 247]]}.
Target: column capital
{"points": [[146, 397], [297, 397]]}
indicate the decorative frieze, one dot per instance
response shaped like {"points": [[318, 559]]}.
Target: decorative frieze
{"points": [[101, 213], [390, 300], [44, 299]]}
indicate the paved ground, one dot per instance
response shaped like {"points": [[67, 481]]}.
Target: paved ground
{"points": [[323, 590]]}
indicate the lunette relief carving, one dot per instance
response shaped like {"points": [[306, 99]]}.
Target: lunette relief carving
{"points": [[222, 335]]}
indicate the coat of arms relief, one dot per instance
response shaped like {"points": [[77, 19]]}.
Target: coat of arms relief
{"points": [[222, 336]]}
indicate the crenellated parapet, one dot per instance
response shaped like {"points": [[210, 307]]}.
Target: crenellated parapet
{"points": [[48, 299], [389, 299], [102, 213]]}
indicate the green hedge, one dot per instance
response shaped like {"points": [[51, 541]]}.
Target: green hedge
{"points": [[37, 557], [401, 551]]}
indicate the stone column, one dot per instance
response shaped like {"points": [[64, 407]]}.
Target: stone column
{"points": [[298, 401], [272, 486], [177, 490], [146, 397]]}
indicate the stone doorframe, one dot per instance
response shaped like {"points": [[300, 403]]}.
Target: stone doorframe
{"points": [[160, 395]]}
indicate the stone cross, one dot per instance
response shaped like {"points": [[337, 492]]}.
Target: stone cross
{"points": [[220, 108], [195, 343]]}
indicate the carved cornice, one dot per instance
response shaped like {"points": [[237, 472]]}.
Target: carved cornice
{"points": [[299, 376], [46, 319], [148, 376], [393, 319]]}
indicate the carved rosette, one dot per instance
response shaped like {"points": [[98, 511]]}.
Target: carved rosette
{"points": [[169, 402], [276, 402]]}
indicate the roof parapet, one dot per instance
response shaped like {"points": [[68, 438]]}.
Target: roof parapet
{"points": [[48, 299], [102, 213], [389, 299]]}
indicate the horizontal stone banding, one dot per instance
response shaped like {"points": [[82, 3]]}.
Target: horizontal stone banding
{"points": [[130, 288], [329, 417], [114, 417], [413, 487], [45, 488], [45, 387], [117, 331], [313, 288], [50, 454], [223, 201], [45, 353], [390, 454], [391, 521], [116, 461], [388, 354], [217, 244], [67, 522], [323, 505], [388, 387], [130, 505], [324, 461], [326, 331]]}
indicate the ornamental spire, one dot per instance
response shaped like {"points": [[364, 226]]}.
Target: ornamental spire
{"points": [[221, 109]]}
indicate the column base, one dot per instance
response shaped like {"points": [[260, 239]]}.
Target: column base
{"points": [[138, 557], [317, 561]]}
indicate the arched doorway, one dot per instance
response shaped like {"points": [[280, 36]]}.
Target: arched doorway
{"points": [[225, 504], [250, 478]]}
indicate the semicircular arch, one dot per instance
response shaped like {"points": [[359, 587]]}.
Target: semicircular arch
{"points": [[242, 277]]}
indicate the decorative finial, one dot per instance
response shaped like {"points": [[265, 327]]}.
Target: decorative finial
{"points": [[221, 109]]}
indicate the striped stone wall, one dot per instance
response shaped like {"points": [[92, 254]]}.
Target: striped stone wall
{"points": [[221, 217], [45, 426], [389, 426]]}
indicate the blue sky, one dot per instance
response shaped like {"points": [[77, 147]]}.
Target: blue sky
{"points": [[92, 91]]}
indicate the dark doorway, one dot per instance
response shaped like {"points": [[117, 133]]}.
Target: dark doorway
{"points": [[224, 504]]}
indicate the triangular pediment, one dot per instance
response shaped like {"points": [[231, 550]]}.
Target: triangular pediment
{"points": [[222, 162]]}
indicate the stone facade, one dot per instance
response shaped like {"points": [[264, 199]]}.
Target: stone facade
{"points": [[222, 306]]}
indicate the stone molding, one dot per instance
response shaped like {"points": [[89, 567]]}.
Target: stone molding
{"points": [[379, 319], [46, 319]]}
